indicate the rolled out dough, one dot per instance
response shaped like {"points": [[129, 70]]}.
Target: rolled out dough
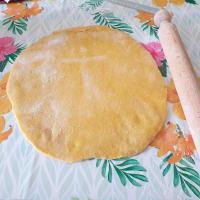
{"points": [[87, 92]]}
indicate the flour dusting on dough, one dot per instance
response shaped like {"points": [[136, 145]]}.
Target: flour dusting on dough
{"points": [[23, 60], [83, 49], [35, 107], [55, 109], [47, 73], [34, 56], [57, 126], [82, 60], [58, 40], [39, 56], [85, 93], [91, 90]]}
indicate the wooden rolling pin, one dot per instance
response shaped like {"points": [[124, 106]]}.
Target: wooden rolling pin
{"points": [[186, 83]]}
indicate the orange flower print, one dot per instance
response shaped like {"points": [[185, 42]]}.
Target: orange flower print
{"points": [[14, 10], [178, 151], [4, 134], [33, 11], [172, 95], [173, 98], [5, 105], [160, 3], [178, 111], [190, 147], [177, 2], [144, 17], [171, 140], [19, 10], [185, 146], [163, 3], [166, 139]]}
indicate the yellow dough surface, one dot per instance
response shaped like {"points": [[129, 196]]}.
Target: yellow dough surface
{"points": [[87, 92]]}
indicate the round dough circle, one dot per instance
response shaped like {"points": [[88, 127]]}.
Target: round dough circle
{"points": [[87, 92]]}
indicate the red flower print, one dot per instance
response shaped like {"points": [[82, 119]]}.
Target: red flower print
{"points": [[6, 47], [155, 49]]}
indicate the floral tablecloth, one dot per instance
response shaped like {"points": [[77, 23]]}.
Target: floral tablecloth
{"points": [[168, 169]]}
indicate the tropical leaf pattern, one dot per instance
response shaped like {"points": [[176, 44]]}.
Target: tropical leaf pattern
{"points": [[107, 18], [191, 2], [91, 4], [127, 169], [153, 30], [16, 15], [27, 174], [163, 68], [10, 58], [16, 26], [184, 174]]}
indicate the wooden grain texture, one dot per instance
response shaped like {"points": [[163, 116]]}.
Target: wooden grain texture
{"points": [[183, 73]]}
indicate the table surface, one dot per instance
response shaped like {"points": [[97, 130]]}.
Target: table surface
{"points": [[168, 169]]}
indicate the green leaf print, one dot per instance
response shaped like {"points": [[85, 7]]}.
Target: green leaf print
{"points": [[121, 159], [183, 162], [121, 175], [193, 188], [184, 188], [189, 170], [165, 160], [140, 177], [16, 26], [98, 162], [127, 169], [110, 174], [184, 175], [166, 170], [135, 183], [3, 64], [193, 178], [176, 177], [178, 129], [103, 171], [91, 4], [189, 159], [135, 168], [153, 30], [163, 68], [107, 18], [128, 162], [191, 2], [11, 57]]}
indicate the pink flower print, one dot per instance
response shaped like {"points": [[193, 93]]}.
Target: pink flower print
{"points": [[155, 49], [6, 47]]}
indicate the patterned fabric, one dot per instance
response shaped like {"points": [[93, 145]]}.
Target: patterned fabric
{"points": [[168, 169]]}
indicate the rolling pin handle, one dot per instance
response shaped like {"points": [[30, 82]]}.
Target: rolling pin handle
{"points": [[161, 16]]}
